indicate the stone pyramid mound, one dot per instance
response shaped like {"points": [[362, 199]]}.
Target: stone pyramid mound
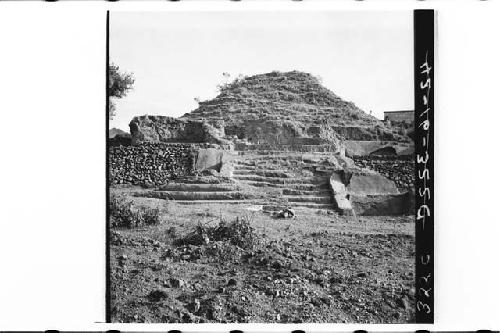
{"points": [[295, 101]]}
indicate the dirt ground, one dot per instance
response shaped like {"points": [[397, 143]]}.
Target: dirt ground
{"points": [[317, 267]]}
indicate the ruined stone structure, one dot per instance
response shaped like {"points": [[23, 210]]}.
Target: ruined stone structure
{"points": [[294, 103], [404, 116], [161, 129], [277, 139]]}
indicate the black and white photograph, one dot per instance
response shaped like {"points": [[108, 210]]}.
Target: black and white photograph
{"points": [[249, 166], [261, 167]]}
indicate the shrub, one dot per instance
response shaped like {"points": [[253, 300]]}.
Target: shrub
{"points": [[238, 232], [354, 115], [151, 216], [124, 214]]}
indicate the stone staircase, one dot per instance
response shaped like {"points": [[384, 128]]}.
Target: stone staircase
{"points": [[272, 170], [267, 178], [198, 193]]}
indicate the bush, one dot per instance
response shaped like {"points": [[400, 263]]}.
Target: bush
{"points": [[238, 232], [124, 214]]}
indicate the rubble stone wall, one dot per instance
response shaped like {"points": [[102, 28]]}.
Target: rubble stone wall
{"points": [[400, 169], [149, 164], [382, 205]]}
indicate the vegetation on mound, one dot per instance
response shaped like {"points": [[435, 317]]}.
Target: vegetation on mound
{"points": [[237, 232], [125, 214], [294, 96]]}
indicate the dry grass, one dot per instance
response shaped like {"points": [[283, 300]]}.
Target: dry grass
{"points": [[125, 214], [238, 232]]}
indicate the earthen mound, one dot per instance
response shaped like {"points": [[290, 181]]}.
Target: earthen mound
{"points": [[296, 99]]}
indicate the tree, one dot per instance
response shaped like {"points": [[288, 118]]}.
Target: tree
{"points": [[119, 84]]}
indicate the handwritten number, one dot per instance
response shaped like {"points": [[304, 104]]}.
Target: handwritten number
{"points": [[424, 174], [422, 159], [427, 84], [421, 306], [426, 191], [427, 257], [426, 292], [426, 278]]}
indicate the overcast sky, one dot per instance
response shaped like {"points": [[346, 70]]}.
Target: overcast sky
{"points": [[364, 57]]}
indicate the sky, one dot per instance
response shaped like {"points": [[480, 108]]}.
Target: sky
{"points": [[176, 57]]}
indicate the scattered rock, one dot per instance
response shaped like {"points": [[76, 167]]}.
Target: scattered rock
{"points": [[286, 213], [157, 295], [404, 303], [232, 282], [277, 265], [316, 302], [177, 283], [195, 306]]}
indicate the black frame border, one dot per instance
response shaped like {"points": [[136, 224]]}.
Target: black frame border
{"points": [[424, 20]]}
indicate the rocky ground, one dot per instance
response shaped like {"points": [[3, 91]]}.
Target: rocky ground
{"points": [[316, 267]]}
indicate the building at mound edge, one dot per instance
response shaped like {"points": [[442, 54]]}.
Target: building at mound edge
{"points": [[276, 140]]}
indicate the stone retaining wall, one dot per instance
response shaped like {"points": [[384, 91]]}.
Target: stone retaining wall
{"points": [[300, 148], [149, 164], [400, 169]]}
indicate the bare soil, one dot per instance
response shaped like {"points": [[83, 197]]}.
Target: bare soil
{"points": [[317, 267]]}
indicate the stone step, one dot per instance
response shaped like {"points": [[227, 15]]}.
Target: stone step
{"points": [[239, 172], [194, 196], [293, 205], [301, 186], [239, 167], [303, 198], [198, 187], [277, 164], [268, 159], [201, 202], [315, 192], [272, 152], [244, 163], [264, 173], [312, 205], [278, 180], [261, 168]]}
